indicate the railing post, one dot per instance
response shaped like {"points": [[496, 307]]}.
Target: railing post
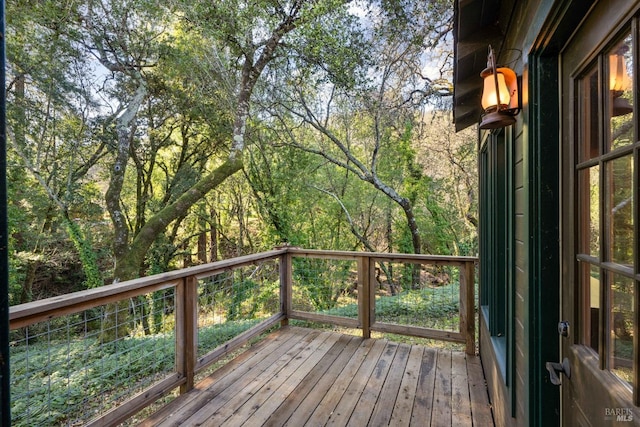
{"points": [[467, 306], [364, 295], [187, 330], [286, 279]]}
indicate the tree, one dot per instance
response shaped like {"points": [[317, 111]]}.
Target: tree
{"points": [[452, 169], [49, 126], [134, 68], [359, 123], [150, 110], [254, 35]]}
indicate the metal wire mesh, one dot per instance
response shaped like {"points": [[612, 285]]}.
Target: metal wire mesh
{"points": [[70, 369], [233, 301], [418, 295], [326, 286]]}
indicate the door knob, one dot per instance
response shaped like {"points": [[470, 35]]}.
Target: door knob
{"points": [[563, 328], [555, 368]]}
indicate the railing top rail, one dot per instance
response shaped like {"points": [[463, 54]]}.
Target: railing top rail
{"points": [[64, 304], [381, 255]]}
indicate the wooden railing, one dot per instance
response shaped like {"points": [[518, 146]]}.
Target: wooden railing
{"points": [[350, 289]]}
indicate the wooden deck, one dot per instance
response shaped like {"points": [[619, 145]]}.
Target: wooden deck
{"points": [[300, 376]]}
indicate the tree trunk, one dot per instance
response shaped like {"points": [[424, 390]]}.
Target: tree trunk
{"points": [[128, 262], [407, 208], [112, 196], [186, 255], [202, 244], [213, 256]]}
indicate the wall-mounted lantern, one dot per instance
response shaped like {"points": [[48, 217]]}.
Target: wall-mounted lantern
{"points": [[619, 83], [500, 97]]}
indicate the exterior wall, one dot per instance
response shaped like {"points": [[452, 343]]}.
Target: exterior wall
{"points": [[521, 354], [515, 390], [497, 390], [506, 369]]}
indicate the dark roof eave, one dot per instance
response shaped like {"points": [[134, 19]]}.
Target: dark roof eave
{"points": [[475, 28]]}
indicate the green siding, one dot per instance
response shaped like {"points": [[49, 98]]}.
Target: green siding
{"points": [[496, 260]]}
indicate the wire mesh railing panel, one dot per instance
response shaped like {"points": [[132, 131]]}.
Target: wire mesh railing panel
{"points": [[73, 368], [233, 301], [325, 286], [422, 295]]}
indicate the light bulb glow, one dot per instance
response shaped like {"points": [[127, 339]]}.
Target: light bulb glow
{"points": [[489, 93], [619, 79]]}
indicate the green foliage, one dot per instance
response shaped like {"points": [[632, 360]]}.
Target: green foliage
{"points": [[424, 306], [158, 263], [74, 67], [216, 335], [357, 72], [160, 255], [77, 377], [240, 292], [322, 283], [87, 255], [427, 303]]}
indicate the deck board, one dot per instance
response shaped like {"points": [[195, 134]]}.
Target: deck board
{"points": [[351, 398], [322, 376], [302, 377], [441, 411], [389, 393], [330, 398], [237, 411], [193, 401], [231, 394], [423, 402], [480, 407], [460, 397], [401, 415]]}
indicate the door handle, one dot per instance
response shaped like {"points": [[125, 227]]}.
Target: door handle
{"points": [[563, 328], [555, 368]]}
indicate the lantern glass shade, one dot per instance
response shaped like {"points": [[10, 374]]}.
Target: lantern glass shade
{"points": [[489, 93], [619, 79], [500, 99]]}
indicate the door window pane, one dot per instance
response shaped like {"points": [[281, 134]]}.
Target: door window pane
{"points": [[589, 190], [606, 214], [621, 94], [590, 288], [621, 327], [589, 141], [620, 209]]}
